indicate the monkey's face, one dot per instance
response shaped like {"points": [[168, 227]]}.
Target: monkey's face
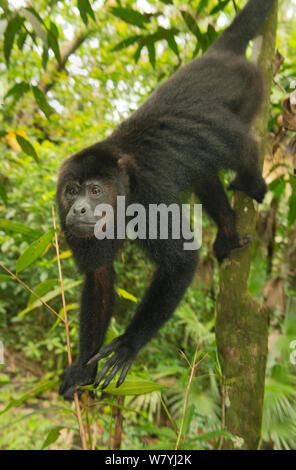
{"points": [[80, 201]]}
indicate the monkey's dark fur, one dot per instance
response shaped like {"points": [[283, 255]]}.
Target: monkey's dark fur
{"points": [[193, 125]]}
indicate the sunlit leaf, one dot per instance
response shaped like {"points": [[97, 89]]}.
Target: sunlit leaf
{"points": [[41, 101], [52, 437], [85, 9], [34, 251], [126, 295], [42, 289], [27, 147], [130, 16], [31, 15], [9, 35], [8, 225]]}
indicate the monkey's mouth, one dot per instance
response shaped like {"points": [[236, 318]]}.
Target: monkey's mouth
{"points": [[82, 229]]}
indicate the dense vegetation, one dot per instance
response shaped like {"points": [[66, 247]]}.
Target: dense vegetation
{"points": [[70, 71]]}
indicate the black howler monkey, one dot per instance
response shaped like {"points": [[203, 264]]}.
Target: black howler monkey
{"points": [[195, 123]]}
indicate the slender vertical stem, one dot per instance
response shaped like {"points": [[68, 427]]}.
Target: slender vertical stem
{"points": [[76, 399]]}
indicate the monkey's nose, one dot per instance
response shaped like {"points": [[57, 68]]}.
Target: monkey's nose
{"points": [[79, 210]]}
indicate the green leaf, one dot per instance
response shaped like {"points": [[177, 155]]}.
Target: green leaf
{"points": [[130, 16], [42, 289], [43, 386], [292, 209], [27, 147], [18, 90], [52, 437], [126, 295], [193, 27], [41, 101], [151, 54], [219, 7], [8, 225], [32, 16], [51, 295], [173, 45], [127, 42], [54, 45], [138, 52], [34, 251], [5, 277], [9, 36], [201, 6], [137, 387], [3, 193], [85, 9]]}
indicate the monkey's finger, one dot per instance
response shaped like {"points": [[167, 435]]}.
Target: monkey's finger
{"points": [[123, 373], [105, 369], [104, 352], [114, 371]]}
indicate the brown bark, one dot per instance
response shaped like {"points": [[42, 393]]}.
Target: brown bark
{"points": [[241, 322]]}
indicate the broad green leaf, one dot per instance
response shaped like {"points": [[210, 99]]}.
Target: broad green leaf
{"points": [[12, 28], [8, 225], [130, 16], [54, 45], [3, 193], [52, 437], [43, 386], [127, 42], [192, 25], [34, 19], [85, 9], [126, 295], [137, 387], [51, 295], [201, 6], [42, 289], [219, 7], [5, 277], [173, 45], [27, 147], [34, 251], [18, 90], [41, 101]]}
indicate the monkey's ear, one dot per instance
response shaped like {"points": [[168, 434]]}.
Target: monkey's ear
{"points": [[129, 168], [126, 163]]}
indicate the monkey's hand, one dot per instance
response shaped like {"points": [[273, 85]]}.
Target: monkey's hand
{"points": [[123, 357], [76, 374]]}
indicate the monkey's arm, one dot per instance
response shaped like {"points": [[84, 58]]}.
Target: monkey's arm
{"points": [[95, 313], [158, 304]]}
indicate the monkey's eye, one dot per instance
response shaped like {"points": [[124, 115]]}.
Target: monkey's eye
{"points": [[95, 190], [72, 191]]}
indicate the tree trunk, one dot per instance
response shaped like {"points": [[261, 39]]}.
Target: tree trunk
{"points": [[242, 323]]}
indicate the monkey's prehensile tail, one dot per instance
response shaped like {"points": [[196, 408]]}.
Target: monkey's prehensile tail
{"points": [[245, 26]]}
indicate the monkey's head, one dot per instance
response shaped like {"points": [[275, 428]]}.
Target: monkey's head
{"points": [[95, 175]]}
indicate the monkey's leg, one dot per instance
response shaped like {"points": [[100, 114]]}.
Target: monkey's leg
{"points": [[95, 313], [249, 178], [214, 200]]}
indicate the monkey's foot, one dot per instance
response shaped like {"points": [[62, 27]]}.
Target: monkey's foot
{"points": [[223, 245], [256, 189], [123, 358], [75, 375]]}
